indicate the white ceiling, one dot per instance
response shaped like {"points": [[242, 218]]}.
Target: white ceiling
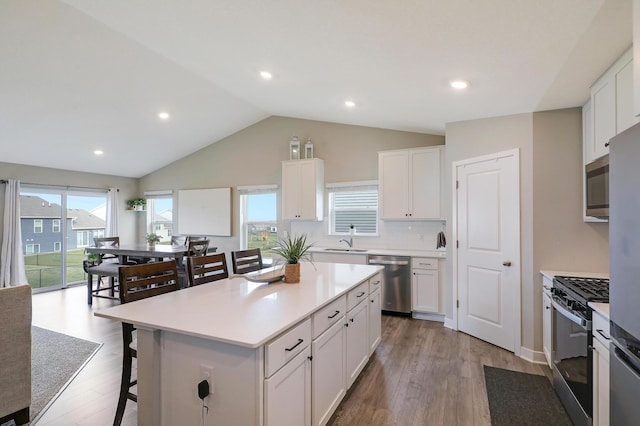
{"points": [[80, 75]]}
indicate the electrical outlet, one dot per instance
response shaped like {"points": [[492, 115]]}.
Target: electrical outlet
{"points": [[206, 373]]}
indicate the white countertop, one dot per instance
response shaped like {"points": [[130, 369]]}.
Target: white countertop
{"points": [[602, 308], [386, 252], [241, 312]]}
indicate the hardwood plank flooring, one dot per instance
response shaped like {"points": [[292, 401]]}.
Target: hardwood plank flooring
{"points": [[421, 374]]}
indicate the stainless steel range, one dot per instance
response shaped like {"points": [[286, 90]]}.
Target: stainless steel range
{"points": [[572, 347]]}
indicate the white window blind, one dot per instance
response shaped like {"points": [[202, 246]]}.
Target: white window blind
{"points": [[355, 205]]}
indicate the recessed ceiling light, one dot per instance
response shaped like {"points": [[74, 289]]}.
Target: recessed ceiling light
{"points": [[459, 84], [266, 75], [350, 104], [98, 152], [163, 115]]}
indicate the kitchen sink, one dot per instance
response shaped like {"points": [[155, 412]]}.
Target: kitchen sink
{"points": [[352, 250]]}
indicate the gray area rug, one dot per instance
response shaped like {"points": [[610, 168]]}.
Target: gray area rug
{"points": [[55, 360], [522, 399]]}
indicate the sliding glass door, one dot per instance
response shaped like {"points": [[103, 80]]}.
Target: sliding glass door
{"points": [[53, 241]]}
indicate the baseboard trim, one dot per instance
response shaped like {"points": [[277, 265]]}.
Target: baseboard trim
{"points": [[428, 316], [449, 323], [535, 357]]}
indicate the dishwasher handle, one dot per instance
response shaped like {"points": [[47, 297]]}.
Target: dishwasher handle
{"points": [[388, 262]]}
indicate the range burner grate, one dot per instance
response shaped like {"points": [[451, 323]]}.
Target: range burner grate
{"points": [[586, 289]]}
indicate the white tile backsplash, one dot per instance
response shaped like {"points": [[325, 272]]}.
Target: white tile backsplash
{"points": [[393, 235]]}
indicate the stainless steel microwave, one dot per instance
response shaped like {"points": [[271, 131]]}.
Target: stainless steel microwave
{"points": [[597, 188]]}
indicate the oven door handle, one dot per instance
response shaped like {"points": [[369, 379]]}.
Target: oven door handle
{"points": [[570, 315]]}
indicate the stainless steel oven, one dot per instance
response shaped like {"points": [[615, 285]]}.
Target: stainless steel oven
{"points": [[572, 350], [572, 358]]}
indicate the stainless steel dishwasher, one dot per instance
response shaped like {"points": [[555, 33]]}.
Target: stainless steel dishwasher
{"points": [[396, 282]]}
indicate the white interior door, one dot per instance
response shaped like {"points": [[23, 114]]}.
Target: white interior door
{"points": [[488, 254]]}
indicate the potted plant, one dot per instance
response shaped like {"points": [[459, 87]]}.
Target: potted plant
{"points": [[152, 239], [137, 204], [91, 259], [292, 251]]}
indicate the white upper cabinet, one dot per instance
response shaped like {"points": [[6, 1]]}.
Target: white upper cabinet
{"points": [[409, 182], [302, 189], [611, 107]]}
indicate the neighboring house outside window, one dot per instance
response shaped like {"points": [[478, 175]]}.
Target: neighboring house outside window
{"points": [[353, 204], [32, 248], [37, 226], [55, 225], [57, 246], [82, 238]]}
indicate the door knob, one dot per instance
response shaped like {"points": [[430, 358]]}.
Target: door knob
{"points": [[506, 263]]}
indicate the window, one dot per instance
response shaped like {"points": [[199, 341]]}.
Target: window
{"points": [[37, 226], [98, 233], [82, 238], [55, 225], [57, 246], [353, 204], [32, 248], [258, 219], [160, 214]]}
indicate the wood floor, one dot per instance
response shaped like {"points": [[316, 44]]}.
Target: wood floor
{"points": [[421, 374]]}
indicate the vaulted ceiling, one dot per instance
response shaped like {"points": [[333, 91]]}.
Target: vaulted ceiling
{"points": [[84, 75]]}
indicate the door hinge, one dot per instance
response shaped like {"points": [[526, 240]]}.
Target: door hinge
{"points": [[457, 304], [457, 244], [457, 184]]}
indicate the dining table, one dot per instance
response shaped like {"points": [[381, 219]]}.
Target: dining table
{"points": [[126, 253]]}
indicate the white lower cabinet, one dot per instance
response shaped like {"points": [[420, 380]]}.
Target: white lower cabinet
{"points": [[328, 372], [287, 393], [547, 326], [357, 341], [375, 320], [600, 369]]}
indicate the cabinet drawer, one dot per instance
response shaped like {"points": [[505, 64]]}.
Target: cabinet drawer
{"points": [[600, 328], [357, 295], [284, 348], [424, 263], [329, 315], [375, 282]]}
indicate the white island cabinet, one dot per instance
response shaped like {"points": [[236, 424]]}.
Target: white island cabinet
{"points": [[258, 340]]}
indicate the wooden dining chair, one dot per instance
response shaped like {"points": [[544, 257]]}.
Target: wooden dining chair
{"points": [[179, 240], [244, 261], [194, 249], [206, 269], [139, 282]]}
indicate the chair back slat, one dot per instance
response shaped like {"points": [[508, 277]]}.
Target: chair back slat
{"points": [[106, 242], [246, 261], [198, 247], [179, 240], [206, 269], [147, 280]]}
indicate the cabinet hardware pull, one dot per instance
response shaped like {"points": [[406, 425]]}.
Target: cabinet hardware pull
{"points": [[376, 282], [351, 319], [547, 307], [294, 346], [603, 335], [334, 315], [506, 263], [310, 357], [346, 324], [361, 294], [591, 348], [606, 145]]}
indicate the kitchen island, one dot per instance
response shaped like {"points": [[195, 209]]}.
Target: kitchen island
{"points": [[254, 341]]}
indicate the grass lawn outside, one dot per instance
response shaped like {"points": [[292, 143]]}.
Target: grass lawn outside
{"points": [[43, 269]]}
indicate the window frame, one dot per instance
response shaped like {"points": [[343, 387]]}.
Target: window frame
{"points": [[36, 227], [57, 246], [33, 248], [244, 192], [157, 226], [55, 222], [344, 187]]}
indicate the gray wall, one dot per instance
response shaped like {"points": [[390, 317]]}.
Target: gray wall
{"points": [[46, 176], [253, 156], [553, 234]]}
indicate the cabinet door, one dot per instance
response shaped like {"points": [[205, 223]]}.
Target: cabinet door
{"points": [[547, 326], [375, 320], [288, 393], [308, 190], [625, 117], [603, 103], [393, 180], [328, 372], [357, 341], [424, 184], [425, 290], [290, 190], [600, 384]]}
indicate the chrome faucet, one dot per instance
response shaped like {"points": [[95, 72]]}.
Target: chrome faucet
{"points": [[349, 241]]}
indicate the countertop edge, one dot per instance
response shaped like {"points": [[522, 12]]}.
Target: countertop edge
{"points": [[601, 308], [376, 251]]}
